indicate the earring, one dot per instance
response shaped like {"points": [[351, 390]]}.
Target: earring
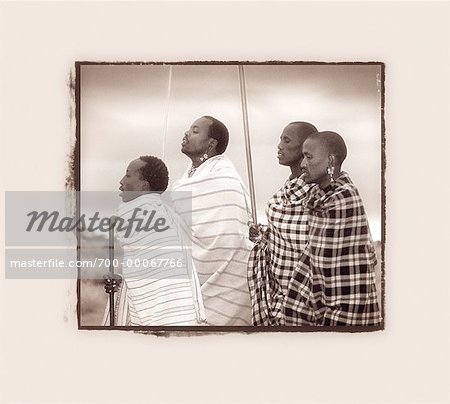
{"points": [[330, 171], [204, 158]]}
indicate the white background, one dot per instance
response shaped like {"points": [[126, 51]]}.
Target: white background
{"points": [[45, 359]]}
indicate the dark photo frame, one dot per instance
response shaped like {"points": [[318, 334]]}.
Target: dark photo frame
{"points": [[128, 109]]}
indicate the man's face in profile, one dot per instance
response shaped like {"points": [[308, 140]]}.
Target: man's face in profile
{"points": [[196, 140], [132, 184]]}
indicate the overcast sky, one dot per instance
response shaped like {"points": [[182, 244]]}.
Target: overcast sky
{"points": [[124, 110]]}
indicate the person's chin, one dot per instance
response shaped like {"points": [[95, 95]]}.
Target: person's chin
{"points": [[125, 196]]}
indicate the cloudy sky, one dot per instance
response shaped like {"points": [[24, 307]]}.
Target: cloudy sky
{"points": [[128, 111]]}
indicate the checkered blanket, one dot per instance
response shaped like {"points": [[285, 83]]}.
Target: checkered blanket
{"points": [[276, 254], [334, 280]]}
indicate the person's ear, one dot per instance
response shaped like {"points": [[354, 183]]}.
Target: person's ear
{"points": [[212, 144], [332, 160], [146, 186]]}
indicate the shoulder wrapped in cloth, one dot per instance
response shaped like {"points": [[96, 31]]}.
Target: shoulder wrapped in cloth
{"points": [[334, 281], [218, 217], [160, 286], [275, 256]]}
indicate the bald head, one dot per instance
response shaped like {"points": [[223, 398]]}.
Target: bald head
{"points": [[301, 129], [323, 154], [332, 143]]}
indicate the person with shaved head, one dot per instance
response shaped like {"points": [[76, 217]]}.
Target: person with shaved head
{"points": [[278, 246], [333, 283]]}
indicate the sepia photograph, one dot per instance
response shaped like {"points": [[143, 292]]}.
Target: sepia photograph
{"points": [[270, 177], [221, 202]]}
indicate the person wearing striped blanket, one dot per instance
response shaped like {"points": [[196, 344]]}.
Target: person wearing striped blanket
{"points": [[218, 218], [333, 283], [160, 286], [279, 245]]}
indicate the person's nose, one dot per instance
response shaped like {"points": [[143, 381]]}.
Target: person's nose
{"points": [[121, 181], [303, 163], [279, 146]]}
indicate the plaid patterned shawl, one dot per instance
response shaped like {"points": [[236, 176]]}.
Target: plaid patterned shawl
{"points": [[275, 256], [334, 281]]}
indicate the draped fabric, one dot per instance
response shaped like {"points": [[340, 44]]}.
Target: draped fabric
{"points": [[276, 254], [218, 216], [334, 281], [160, 286]]}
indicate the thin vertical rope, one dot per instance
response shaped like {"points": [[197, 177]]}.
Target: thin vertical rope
{"points": [[248, 151], [166, 119]]}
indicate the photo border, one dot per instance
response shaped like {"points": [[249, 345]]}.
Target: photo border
{"points": [[204, 330]]}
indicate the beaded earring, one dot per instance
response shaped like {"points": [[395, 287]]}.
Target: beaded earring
{"points": [[330, 171]]}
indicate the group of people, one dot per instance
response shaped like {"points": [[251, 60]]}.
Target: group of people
{"points": [[313, 264]]}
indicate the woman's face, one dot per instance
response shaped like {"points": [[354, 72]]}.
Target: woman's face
{"points": [[289, 148], [196, 140], [315, 162]]}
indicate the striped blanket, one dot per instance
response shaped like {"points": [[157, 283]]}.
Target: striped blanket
{"points": [[275, 256], [218, 217], [334, 281], [160, 286]]}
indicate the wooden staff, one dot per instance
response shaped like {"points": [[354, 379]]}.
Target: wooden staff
{"points": [[166, 119], [248, 151], [112, 222]]}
